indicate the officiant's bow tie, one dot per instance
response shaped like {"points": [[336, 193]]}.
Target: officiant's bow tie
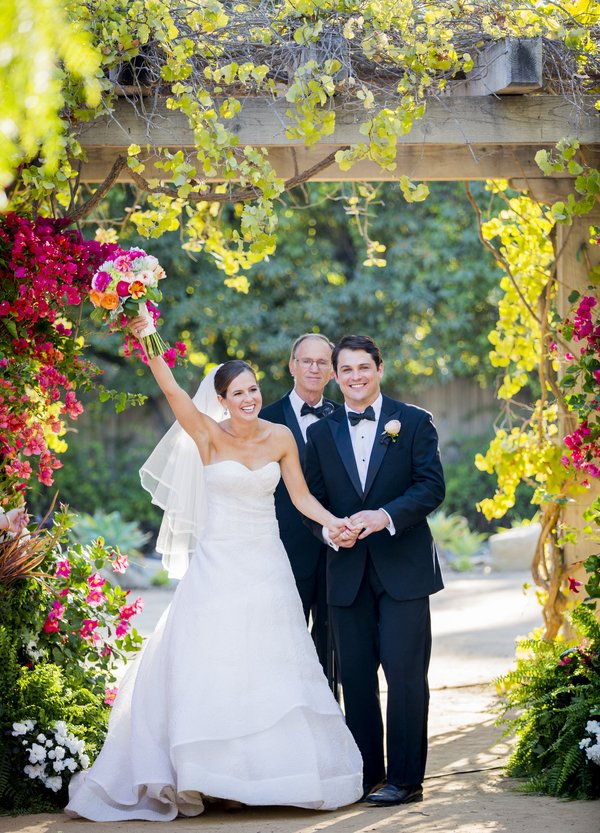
{"points": [[355, 418], [318, 410]]}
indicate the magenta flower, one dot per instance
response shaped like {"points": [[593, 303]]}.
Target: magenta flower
{"points": [[128, 611], [95, 598], [63, 568], [121, 629], [101, 281], [574, 585], [96, 580], [88, 631], [109, 696]]}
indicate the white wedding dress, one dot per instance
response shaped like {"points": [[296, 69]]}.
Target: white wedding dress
{"points": [[227, 698]]}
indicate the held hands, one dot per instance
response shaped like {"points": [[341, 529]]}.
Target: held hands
{"points": [[346, 531]]}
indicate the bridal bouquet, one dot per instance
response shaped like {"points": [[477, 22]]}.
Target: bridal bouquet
{"points": [[123, 287]]}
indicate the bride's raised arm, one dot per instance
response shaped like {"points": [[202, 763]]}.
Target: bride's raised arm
{"points": [[193, 422]]}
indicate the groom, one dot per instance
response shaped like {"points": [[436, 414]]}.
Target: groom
{"points": [[376, 461], [310, 368]]}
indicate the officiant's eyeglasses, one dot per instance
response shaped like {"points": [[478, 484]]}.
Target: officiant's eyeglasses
{"points": [[322, 364]]}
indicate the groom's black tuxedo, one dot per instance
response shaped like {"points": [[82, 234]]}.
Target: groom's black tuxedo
{"points": [[379, 588], [305, 552]]}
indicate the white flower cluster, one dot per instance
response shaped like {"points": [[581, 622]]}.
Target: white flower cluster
{"points": [[52, 755], [591, 745], [33, 650]]}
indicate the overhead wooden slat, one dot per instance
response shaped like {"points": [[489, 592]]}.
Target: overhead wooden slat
{"points": [[480, 120], [419, 162]]}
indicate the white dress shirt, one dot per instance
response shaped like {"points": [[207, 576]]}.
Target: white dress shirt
{"points": [[303, 421], [362, 436]]}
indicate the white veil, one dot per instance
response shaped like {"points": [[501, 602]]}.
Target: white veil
{"points": [[174, 476]]}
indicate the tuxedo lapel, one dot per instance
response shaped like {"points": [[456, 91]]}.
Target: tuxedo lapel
{"points": [[292, 423], [389, 410], [341, 438]]}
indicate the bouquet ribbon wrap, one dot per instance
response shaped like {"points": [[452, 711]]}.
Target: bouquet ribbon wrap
{"points": [[143, 312]]}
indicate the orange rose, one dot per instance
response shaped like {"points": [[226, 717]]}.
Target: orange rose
{"points": [[137, 289], [110, 300], [96, 297]]}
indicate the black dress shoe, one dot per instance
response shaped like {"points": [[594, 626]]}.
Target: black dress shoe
{"points": [[368, 789], [391, 795]]}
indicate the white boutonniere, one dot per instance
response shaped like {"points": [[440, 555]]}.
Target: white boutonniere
{"points": [[391, 430]]}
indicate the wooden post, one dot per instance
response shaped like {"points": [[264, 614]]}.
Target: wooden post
{"points": [[575, 258]]}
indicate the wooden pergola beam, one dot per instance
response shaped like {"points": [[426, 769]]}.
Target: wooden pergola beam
{"points": [[459, 138], [419, 162], [479, 120]]}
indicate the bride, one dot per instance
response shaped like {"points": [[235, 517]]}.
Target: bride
{"points": [[227, 700]]}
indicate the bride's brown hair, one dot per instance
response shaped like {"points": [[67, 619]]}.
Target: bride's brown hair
{"points": [[228, 372]]}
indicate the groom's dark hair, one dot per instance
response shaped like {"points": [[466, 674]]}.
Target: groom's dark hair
{"points": [[365, 343]]}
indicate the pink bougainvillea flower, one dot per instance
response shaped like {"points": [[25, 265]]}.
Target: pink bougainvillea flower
{"points": [[574, 585], [569, 357], [566, 661], [51, 626], [109, 696]]}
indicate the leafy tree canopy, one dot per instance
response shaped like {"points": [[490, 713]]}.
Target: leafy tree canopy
{"points": [[430, 306]]}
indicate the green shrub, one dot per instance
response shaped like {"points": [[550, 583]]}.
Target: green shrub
{"points": [[454, 537], [63, 633], [555, 690]]}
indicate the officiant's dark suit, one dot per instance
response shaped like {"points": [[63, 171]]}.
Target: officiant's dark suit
{"points": [[307, 555], [379, 588]]}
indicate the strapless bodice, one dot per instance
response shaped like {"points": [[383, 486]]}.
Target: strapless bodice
{"points": [[240, 500]]}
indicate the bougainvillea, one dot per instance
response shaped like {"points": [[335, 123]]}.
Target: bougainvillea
{"points": [[583, 375], [45, 273]]}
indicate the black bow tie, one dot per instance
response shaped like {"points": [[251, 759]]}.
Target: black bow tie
{"points": [[355, 418], [317, 410]]}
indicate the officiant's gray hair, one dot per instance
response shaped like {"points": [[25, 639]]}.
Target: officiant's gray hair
{"points": [[303, 337]]}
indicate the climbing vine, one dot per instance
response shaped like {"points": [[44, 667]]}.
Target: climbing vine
{"points": [[377, 61], [529, 342]]}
